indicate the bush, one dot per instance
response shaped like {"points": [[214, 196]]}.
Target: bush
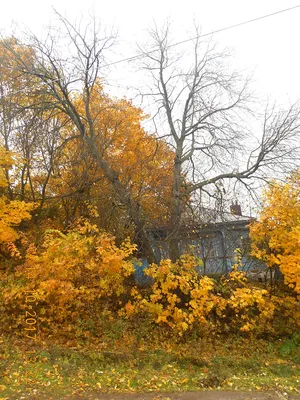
{"points": [[73, 277], [183, 301]]}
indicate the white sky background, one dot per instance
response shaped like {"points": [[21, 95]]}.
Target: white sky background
{"points": [[269, 47]]}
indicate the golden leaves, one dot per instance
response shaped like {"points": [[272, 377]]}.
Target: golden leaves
{"points": [[12, 212], [276, 234], [182, 300], [74, 269]]}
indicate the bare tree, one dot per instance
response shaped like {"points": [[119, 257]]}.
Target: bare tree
{"points": [[202, 108]]}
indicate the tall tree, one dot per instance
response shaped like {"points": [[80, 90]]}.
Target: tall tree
{"points": [[30, 132], [67, 87], [203, 107], [143, 162]]}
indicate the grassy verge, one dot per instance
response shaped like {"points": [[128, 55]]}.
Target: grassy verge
{"points": [[230, 363]]}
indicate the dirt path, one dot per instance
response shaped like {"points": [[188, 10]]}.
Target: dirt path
{"points": [[203, 395]]}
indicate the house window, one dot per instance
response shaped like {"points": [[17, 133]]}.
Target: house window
{"points": [[209, 247]]}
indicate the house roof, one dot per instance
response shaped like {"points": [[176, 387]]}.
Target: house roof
{"points": [[210, 216], [205, 218]]}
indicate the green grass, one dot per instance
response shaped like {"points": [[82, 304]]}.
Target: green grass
{"points": [[230, 363]]}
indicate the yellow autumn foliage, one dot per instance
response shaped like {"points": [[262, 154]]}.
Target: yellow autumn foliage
{"points": [[182, 300], [12, 212], [72, 272], [81, 278], [276, 234]]}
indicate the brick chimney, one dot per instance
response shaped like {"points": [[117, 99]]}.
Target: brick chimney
{"points": [[236, 209]]}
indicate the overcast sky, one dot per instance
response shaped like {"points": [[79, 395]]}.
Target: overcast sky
{"points": [[269, 46]]}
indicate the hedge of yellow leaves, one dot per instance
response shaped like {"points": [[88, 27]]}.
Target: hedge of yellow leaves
{"points": [[73, 276], [182, 300], [82, 277]]}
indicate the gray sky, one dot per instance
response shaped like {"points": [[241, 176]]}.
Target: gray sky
{"points": [[269, 46]]}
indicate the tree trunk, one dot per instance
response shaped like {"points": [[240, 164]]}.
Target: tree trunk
{"points": [[132, 207], [175, 212]]}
